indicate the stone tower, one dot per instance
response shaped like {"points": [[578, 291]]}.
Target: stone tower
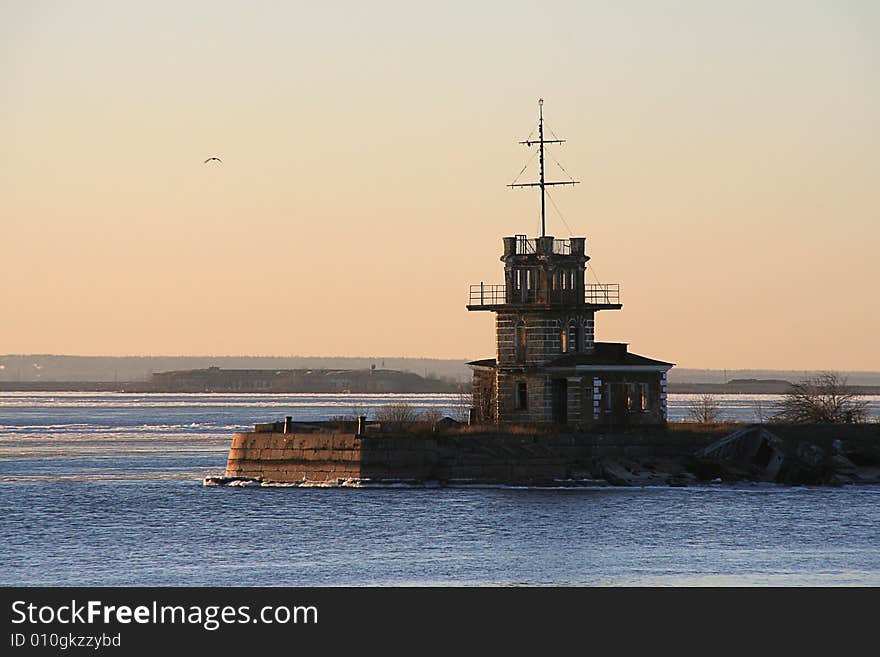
{"points": [[548, 368]]}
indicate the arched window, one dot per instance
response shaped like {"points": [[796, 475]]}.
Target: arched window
{"points": [[519, 339], [560, 330], [572, 341]]}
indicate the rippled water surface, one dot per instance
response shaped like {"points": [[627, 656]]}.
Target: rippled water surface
{"points": [[105, 489]]}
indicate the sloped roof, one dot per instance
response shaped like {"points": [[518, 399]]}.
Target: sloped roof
{"points": [[599, 359], [603, 354]]}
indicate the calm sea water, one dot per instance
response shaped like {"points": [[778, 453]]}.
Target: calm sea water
{"points": [[105, 489]]}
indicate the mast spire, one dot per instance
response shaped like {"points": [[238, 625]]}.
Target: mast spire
{"points": [[541, 157], [542, 183]]}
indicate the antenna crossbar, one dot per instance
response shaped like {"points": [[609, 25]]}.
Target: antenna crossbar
{"points": [[545, 184], [529, 142], [540, 141]]}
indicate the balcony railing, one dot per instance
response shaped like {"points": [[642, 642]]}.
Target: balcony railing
{"points": [[562, 247], [525, 246], [598, 294], [486, 295]]}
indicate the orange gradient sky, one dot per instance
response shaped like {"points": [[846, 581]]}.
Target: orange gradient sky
{"points": [[728, 155]]}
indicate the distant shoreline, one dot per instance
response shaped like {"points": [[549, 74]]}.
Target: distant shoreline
{"points": [[103, 371], [144, 387], [757, 388]]}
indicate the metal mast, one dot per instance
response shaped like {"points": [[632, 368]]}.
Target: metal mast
{"points": [[542, 183]]}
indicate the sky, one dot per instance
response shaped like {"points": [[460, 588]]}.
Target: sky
{"points": [[728, 156]]}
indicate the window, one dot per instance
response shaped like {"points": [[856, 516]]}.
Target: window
{"points": [[608, 397], [522, 398], [519, 339], [563, 342], [635, 397]]}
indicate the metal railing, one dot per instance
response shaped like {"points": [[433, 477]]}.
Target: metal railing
{"points": [[562, 247], [495, 295], [486, 295], [602, 293], [525, 246]]}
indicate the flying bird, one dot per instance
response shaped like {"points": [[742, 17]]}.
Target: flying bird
{"points": [[214, 158]]}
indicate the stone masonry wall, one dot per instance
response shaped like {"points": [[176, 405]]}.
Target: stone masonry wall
{"points": [[576, 394], [321, 457], [543, 332], [490, 457], [655, 400], [294, 458], [484, 397], [538, 406]]}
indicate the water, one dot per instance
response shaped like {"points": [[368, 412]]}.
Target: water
{"points": [[745, 408], [105, 489]]}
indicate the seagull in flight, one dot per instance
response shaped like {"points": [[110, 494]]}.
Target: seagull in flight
{"points": [[214, 158]]}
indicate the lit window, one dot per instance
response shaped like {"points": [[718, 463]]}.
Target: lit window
{"points": [[635, 397]]}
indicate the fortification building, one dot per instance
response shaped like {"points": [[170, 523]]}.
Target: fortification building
{"points": [[548, 367]]}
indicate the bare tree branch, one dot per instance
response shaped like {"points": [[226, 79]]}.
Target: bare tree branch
{"points": [[705, 409], [825, 397]]}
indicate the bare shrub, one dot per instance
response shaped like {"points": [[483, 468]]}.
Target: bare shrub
{"points": [[343, 422], [484, 401], [760, 413], [431, 417], [461, 408], [825, 397], [399, 413], [705, 409]]}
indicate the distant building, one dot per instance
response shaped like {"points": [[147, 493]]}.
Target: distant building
{"points": [[548, 367]]}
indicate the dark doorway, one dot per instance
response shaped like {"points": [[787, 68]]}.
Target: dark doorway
{"points": [[559, 390]]}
